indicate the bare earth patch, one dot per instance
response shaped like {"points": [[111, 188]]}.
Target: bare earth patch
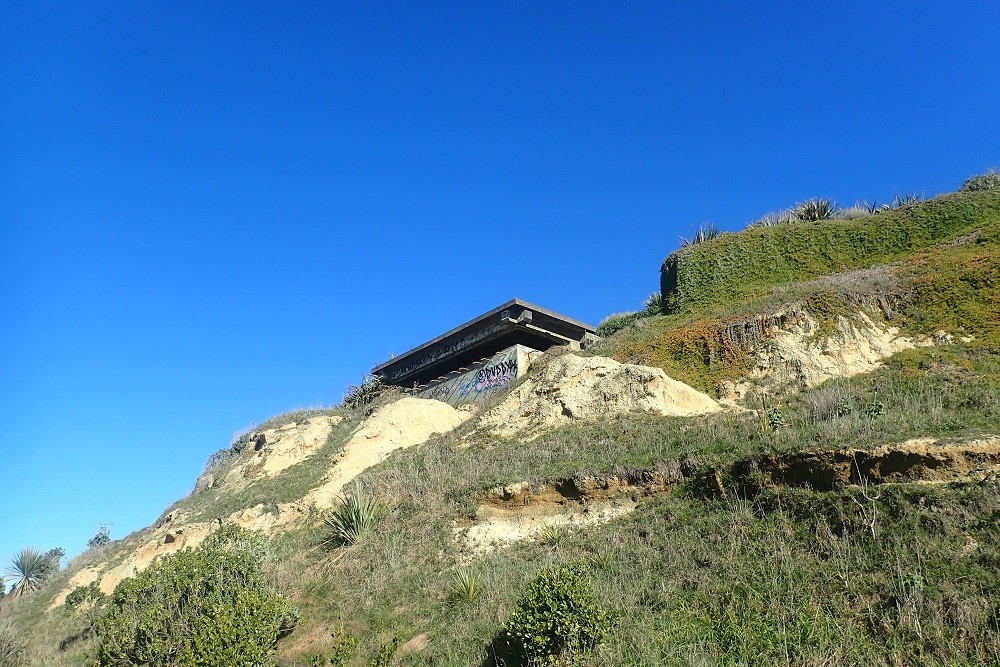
{"points": [[572, 388]]}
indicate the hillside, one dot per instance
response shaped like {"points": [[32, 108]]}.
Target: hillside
{"points": [[793, 457]]}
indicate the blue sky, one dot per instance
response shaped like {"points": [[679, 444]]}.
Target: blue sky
{"points": [[211, 213]]}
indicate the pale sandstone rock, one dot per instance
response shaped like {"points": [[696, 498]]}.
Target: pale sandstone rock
{"points": [[572, 388], [404, 423], [797, 358]]}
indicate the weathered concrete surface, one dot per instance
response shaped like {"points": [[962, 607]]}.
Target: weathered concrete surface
{"points": [[481, 380]]}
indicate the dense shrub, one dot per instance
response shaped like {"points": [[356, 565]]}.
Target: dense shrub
{"points": [[558, 619], [615, 323], [988, 181], [100, 538], [82, 595], [212, 607], [739, 266]]}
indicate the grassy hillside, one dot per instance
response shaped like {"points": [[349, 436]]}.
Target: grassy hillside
{"points": [[927, 267], [747, 545]]}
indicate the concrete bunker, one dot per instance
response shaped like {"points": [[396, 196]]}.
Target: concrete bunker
{"points": [[484, 355]]}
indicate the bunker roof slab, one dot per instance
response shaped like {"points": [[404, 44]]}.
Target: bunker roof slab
{"points": [[516, 322]]}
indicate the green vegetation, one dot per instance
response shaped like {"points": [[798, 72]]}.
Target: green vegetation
{"points": [[466, 585], [209, 606], [355, 516], [988, 181], [735, 267], [101, 538], [30, 568], [557, 621], [815, 210], [13, 648], [706, 232]]}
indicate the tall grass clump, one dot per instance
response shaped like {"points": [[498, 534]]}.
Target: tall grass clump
{"points": [[814, 210], [355, 516], [706, 232]]}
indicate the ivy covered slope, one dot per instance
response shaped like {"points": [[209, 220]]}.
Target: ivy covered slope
{"points": [[735, 267], [925, 267]]}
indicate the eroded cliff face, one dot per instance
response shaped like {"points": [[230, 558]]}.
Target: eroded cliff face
{"points": [[564, 388], [572, 388], [561, 389], [790, 350]]}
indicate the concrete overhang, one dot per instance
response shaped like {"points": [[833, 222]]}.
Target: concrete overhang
{"points": [[513, 323]]}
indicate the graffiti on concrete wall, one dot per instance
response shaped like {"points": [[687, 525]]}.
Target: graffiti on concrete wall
{"points": [[481, 380], [497, 373]]}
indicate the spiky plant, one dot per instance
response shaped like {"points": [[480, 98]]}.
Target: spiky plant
{"points": [[774, 219], [29, 568], [906, 200], [706, 232], [815, 210], [466, 586], [356, 396], [355, 516], [654, 303]]}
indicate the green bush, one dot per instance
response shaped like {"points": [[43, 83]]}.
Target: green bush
{"points": [[83, 594], [615, 323], [558, 620], [208, 607], [988, 181]]}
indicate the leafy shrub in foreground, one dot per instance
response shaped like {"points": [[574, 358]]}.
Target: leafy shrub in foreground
{"points": [[208, 607], [558, 619]]}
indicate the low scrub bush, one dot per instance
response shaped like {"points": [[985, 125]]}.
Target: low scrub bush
{"points": [[208, 607], [558, 620], [363, 394], [612, 324], [988, 181]]}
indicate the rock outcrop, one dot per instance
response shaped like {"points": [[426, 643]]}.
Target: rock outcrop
{"points": [[571, 388]]}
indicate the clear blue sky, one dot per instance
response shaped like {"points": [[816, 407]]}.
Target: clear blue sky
{"points": [[211, 213]]}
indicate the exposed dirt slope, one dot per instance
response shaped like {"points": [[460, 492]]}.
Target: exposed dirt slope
{"points": [[571, 388], [403, 423], [523, 511]]}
